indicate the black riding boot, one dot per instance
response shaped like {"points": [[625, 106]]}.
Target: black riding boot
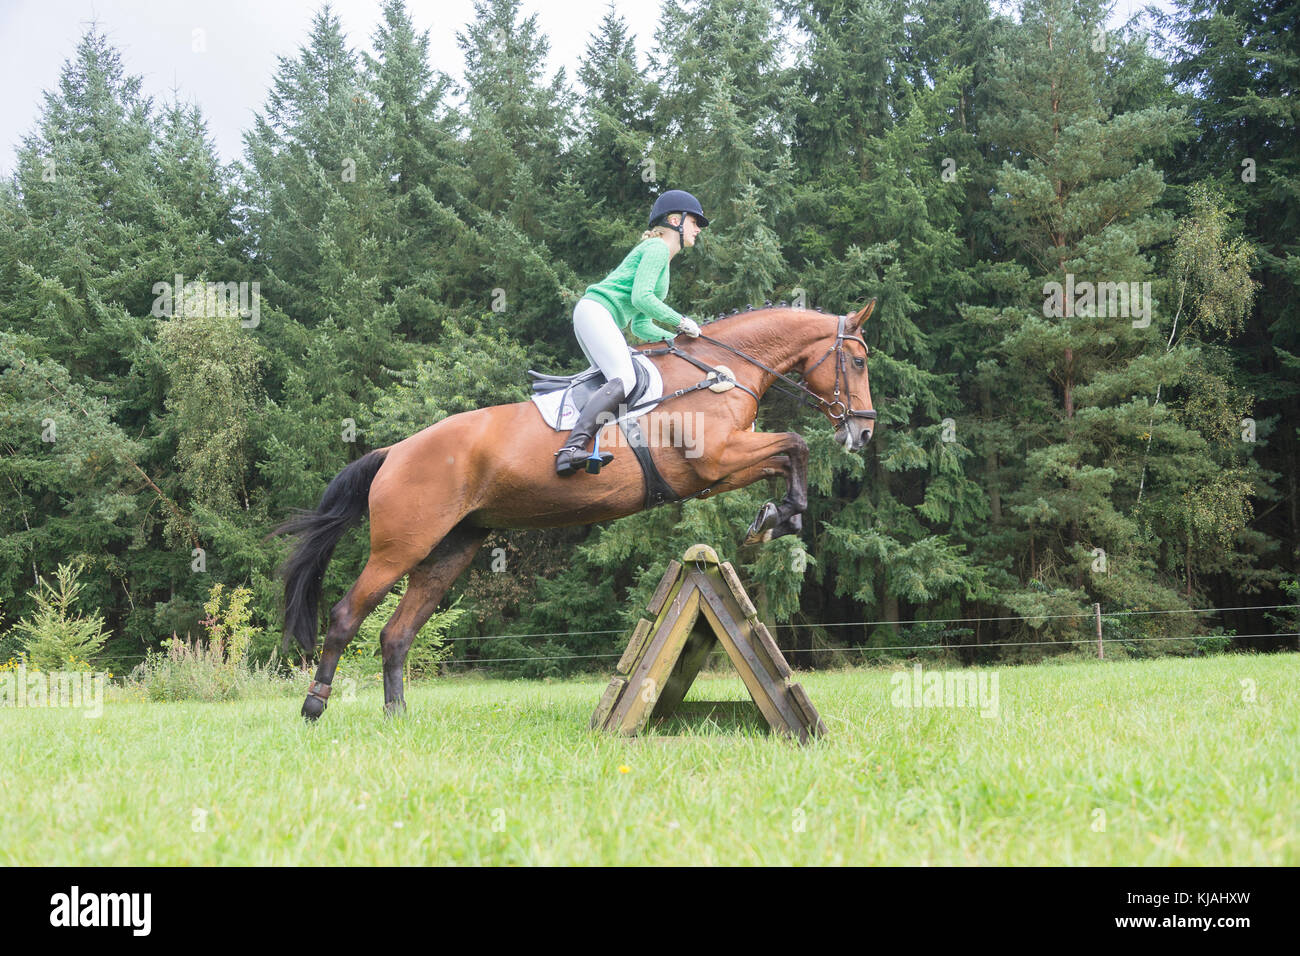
{"points": [[573, 454]]}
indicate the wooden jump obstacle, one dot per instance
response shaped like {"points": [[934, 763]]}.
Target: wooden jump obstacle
{"points": [[699, 603]]}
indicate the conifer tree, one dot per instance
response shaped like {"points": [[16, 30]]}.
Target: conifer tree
{"points": [[1079, 205], [518, 126], [723, 137], [613, 172], [108, 200]]}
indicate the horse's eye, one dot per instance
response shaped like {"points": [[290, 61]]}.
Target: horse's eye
{"points": [[860, 363]]}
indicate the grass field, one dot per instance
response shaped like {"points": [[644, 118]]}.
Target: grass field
{"points": [[1148, 763]]}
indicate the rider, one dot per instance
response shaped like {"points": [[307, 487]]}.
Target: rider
{"points": [[631, 297]]}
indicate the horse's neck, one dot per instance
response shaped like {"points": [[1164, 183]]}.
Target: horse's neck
{"points": [[779, 345]]}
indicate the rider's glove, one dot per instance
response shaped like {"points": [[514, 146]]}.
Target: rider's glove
{"points": [[688, 327]]}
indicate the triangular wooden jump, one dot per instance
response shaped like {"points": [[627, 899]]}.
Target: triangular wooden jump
{"points": [[700, 601]]}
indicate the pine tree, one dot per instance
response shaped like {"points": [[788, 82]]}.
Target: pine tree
{"points": [[722, 135], [1079, 205], [108, 201], [875, 216], [422, 162], [322, 202], [517, 128], [616, 116]]}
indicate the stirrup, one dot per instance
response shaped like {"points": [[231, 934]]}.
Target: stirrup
{"points": [[597, 459], [575, 462]]}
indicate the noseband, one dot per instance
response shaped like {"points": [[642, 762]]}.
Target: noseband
{"points": [[801, 391]]}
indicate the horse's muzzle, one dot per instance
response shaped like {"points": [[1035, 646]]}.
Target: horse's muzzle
{"points": [[854, 434]]}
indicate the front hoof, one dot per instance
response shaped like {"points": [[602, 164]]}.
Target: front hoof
{"points": [[395, 708], [312, 708], [761, 529]]}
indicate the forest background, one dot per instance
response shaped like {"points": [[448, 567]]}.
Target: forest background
{"points": [[419, 242]]}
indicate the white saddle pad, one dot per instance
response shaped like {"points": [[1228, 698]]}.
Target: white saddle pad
{"points": [[558, 410]]}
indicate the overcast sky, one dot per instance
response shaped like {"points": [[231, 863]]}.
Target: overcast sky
{"points": [[230, 78]]}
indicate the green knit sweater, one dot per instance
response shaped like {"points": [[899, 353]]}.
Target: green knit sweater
{"points": [[634, 292]]}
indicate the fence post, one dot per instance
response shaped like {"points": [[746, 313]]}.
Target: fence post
{"points": [[1101, 651]]}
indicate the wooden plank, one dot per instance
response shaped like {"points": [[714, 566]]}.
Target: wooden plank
{"points": [[633, 708], [696, 651], [768, 693], [738, 591], [650, 686], [673, 592], [700, 552], [812, 719], [765, 642], [767, 653], [607, 702], [665, 585], [634, 647], [664, 655]]}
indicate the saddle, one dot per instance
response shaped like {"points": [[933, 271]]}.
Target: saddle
{"points": [[560, 399], [583, 385]]}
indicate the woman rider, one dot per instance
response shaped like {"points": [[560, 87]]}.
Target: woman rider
{"points": [[631, 297]]}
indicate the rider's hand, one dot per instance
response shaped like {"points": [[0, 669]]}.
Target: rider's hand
{"points": [[688, 327]]}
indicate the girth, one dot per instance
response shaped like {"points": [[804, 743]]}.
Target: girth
{"points": [[657, 490]]}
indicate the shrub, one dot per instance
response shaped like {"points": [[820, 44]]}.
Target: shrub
{"points": [[231, 629], [216, 668], [55, 638]]}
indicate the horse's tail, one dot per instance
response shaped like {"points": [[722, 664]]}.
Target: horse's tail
{"points": [[343, 504]]}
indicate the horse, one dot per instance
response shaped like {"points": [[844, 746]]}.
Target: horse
{"points": [[434, 497]]}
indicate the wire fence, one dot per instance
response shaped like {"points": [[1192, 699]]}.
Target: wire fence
{"points": [[1098, 641]]}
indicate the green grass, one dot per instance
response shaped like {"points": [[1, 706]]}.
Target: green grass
{"points": [[1185, 769]]}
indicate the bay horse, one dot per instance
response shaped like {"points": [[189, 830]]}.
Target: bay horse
{"points": [[434, 497]]}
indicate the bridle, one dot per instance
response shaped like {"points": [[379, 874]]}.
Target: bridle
{"points": [[841, 368], [802, 391]]}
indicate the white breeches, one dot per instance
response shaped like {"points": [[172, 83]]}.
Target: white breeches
{"points": [[603, 343]]}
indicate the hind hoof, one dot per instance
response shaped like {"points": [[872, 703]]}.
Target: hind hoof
{"points": [[312, 708]]}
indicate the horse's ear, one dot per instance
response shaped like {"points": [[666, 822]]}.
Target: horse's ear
{"points": [[862, 316]]}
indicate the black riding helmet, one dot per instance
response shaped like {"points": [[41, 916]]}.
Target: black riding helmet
{"points": [[679, 201]]}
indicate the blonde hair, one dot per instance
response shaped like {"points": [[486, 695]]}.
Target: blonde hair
{"points": [[663, 231]]}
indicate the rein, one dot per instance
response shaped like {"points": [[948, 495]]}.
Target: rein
{"points": [[784, 383]]}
